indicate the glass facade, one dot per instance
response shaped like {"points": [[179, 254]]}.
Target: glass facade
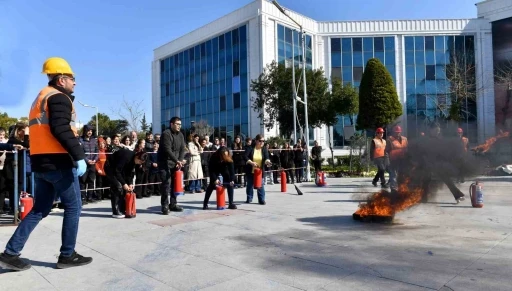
{"points": [[209, 81], [348, 59], [289, 47], [428, 89]]}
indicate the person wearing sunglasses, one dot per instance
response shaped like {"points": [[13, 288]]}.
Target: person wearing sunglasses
{"points": [[256, 157]]}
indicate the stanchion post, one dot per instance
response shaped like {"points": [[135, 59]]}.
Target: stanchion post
{"points": [[15, 202], [24, 171], [33, 186]]}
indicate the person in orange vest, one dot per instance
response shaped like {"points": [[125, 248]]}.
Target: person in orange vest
{"points": [[464, 141], [378, 156], [57, 161], [395, 148]]}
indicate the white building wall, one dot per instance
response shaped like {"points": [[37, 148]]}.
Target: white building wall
{"points": [[494, 10], [255, 54]]}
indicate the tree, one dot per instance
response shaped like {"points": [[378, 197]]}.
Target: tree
{"points": [[143, 124], [343, 100], [274, 97], [109, 127], [461, 73], [130, 111], [6, 121], [378, 99], [202, 128], [503, 82]]}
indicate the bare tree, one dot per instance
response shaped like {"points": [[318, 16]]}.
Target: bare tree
{"points": [[503, 81], [131, 111], [202, 128]]}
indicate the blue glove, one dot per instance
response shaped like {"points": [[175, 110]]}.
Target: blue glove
{"points": [[82, 167]]}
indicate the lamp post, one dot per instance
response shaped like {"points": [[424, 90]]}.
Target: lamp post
{"points": [[97, 126], [296, 98]]}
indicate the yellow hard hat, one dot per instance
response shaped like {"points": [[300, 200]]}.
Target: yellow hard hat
{"points": [[56, 66]]}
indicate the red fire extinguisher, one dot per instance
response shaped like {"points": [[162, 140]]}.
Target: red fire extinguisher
{"points": [[178, 183], [26, 204], [476, 194], [258, 178], [283, 181], [320, 179], [221, 197]]}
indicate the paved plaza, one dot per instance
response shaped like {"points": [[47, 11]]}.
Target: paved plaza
{"points": [[307, 242]]}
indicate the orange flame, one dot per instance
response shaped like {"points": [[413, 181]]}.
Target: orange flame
{"points": [[488, 143], [384, 203]]}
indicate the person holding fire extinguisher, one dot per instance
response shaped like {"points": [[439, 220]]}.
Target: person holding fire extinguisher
{"points": [[120, 170], [378, 156], [256, 157], [221, 164], [171, 158], [396, 146]]}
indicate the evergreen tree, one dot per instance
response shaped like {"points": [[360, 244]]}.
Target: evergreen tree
{"points": [[143, 124], [378, 99]]}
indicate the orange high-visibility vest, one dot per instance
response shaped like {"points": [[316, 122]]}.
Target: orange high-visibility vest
{"points": [[380, 148], [42, 140], [465, 143], [397, 148]]}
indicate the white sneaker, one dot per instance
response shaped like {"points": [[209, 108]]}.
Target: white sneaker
{"points": [[118, 216], [460, 199]]}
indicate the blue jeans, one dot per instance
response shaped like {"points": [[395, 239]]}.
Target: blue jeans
{"points": [[195, 185], [48, 185], [250, 189]]}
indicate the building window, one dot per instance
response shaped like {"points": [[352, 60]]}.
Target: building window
{"points": [[430, 72], [237, 129], [358, 73], [162, 65], [167, 89], [236, 68], [379, 44], [192, 109], [203, 49], [357, 44], [236, 100], [429, 43], [176, 86], [221, 42], [203, 79], [335, 73], [234, 35], [222, 103], [288, 35], [335, 45]]}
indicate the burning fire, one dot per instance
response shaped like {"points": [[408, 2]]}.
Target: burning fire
{"points": [[384, 203], [488, 143]]}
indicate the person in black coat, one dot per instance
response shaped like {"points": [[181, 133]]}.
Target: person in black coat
{"points": [[287, 162], [221, 163], [238, 160], [256, 157], [120, 170]]}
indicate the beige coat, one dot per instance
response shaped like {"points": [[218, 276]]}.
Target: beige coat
{"points": [[195, 171]]}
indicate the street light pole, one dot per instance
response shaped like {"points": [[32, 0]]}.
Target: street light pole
{"points": [[97, 113], [305, 102]]}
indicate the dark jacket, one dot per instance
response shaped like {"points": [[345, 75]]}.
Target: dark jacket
{"points": [[316, 153], [238, 155], [249, 154], [6, 147], [153, 159], [298, 155], [9, 159], [90, 146], [149, 146], [287, 158], [171, 149], [216, 167], [59, 111], [122, 166], [275, 158]]}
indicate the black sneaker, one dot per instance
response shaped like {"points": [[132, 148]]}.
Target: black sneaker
{"points": [[175, 208], [374, 183], [165, 211], [13, 262], [75, 260], [232, 206]]}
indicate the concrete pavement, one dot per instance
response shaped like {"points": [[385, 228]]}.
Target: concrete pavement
{"points": [[294, 242]]}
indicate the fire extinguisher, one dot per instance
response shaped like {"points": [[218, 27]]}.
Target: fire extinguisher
{"points": [[476, 194], [283, 181], [178, 183], [320, 179], [26, 204], [258, 178]]}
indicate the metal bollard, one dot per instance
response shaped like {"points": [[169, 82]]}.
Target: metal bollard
{"points": [[15, 202], [24, 171]]}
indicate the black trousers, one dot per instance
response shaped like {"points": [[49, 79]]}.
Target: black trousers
{"points": [[298, 170], [87, 181], [275, 173], [154, 177], [290, 174], [117, 196], [213, 186], [381, 169], [318, 165], [167, 195], [141, 177], [206, 174]]}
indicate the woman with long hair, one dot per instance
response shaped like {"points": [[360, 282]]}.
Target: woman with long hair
{"points": [[101, 180], [195, 171], [238, 160], [221, 163], [256, 157], [141, 170]]}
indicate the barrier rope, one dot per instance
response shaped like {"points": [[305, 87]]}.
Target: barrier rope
{"points": [[188, 180]]}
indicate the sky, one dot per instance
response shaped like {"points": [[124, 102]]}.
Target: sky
{"points": [[109, 44]]}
